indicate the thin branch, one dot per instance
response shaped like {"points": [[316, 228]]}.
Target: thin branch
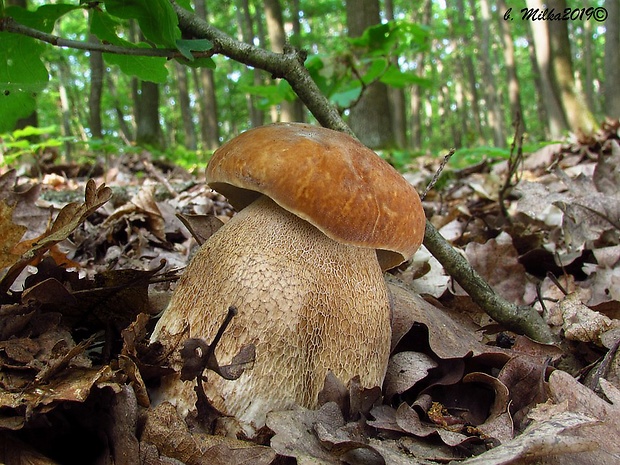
{"points": [[10, 25], [520, 319]]}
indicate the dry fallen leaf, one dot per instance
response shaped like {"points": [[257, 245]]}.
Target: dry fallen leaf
{"points": [[169, 433], [69, 218], [604, 417], [581, 323]]}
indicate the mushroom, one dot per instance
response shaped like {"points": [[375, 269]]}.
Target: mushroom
{"points": [[320, 217]]}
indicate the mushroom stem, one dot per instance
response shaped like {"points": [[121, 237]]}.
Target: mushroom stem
{"points": [[309, 304]]}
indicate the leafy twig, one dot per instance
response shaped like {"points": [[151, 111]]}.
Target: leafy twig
{"points": [[8, 24]]}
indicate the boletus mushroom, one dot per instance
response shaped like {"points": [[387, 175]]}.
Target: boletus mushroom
{"points": [[320, 217]]}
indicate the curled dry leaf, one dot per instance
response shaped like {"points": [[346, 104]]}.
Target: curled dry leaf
{"points": [[201, 227], [409, 420], [498, 425], [604, 276], [295, 433], [16, 452], [450, 335], [142, 205], [11, 234], [524, 377]]}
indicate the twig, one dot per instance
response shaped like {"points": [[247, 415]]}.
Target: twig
{"points": [[515, 161], [443, 164]]}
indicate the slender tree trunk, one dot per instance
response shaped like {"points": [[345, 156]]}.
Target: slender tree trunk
{"points": [[126, 132], [611, 89], [588, 64], [541, 109], [555, 113], [208, 113], [415, 99], [289, 111], [578, 115], [148, 129], [514, 93], [495, 114], [397, 95], [64, 76], [189, 130], [245, 33], [96, 91], [370, 119], [470, 89]]}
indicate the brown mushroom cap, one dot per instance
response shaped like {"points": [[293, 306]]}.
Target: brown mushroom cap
{"points": [[327, 178]]}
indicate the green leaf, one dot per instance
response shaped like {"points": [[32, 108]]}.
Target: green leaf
{"points": [[43, 18], [22, 77], [378, 38], [104, 27], [32, 131], [204, 62], [345, 98], [271, 94], [145, 68], [376, 69], [187, 46], [396, 78], [156, 18]]}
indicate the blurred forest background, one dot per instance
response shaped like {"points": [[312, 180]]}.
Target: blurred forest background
{"points": [[411, 77]]}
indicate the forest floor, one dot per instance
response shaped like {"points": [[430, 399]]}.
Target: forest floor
{"points": [[85, 269]]}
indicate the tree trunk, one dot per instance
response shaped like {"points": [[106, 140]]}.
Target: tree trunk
{"points": [[185, 107], [64, 77], [578, 115], [415, 102], [289, 111], [397, 94], [555, 113], [494, 109], [370, 119], [470, 89], [96, 90], [587, 77], [148, 129], [245, 33], [611, 89], [541, 109], [125, 131], [514, 93], [205, 80]]}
